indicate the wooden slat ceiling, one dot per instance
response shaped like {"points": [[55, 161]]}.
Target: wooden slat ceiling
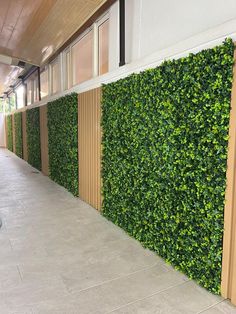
{"points": [[32, 30]]}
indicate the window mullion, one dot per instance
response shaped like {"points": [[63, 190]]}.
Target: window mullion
{"points": [[95, 50]]}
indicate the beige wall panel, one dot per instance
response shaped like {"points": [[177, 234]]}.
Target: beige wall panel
{"points": [[228, 283], [89, 119], [24, 136], [13, 134], [44, 140]]}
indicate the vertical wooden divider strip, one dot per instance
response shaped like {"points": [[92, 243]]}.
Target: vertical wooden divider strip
{"points": [[24, 136], [89, 143], [232, 274], [44, 140], [229, 241], [232, 270]]}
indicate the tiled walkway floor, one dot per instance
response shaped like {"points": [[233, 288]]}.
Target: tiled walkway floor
{"points": [[59, 255]]}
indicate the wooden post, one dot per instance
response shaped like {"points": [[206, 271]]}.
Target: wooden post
{"points": [[228, 279], [89, 144]]}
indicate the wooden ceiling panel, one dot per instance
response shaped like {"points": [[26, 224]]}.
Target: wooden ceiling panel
{"points": [[4, 9], [29, 10], [24, 47], [14, 17], [10, 21], [30, 27]]}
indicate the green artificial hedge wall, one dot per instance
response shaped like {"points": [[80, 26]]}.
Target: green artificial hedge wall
{"points": [[9, 133], [63, 141], [33, 137], [165, 137], [18, 134]]}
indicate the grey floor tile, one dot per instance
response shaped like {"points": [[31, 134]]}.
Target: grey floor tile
{"points": [[33, 292], [97, 273], [9, 277], [186, 298], [116, 293], [224, 307]]}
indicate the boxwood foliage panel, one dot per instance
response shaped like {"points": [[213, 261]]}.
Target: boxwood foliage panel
{"points": [[9, 133], [33, 137], [18, 134], [165, 137], [63, 141]]}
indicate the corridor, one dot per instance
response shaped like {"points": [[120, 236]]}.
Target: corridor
{"points": [[59, 255]]}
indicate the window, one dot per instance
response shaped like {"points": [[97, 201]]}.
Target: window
{"points": [[2, 103], [67, 69], [12, 101], [44, 82], [29, 91], [55, 76], [32, 88], [82, 59], [7, 105], [20, 96], [36, 89], [103, 48]]}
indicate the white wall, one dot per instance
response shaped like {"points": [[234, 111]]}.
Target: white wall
{"points": [[114, 36], [2, 130], [154, 25]]}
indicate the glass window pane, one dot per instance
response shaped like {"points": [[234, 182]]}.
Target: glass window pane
{"points": [[1, 105], [29, 92], [44, 83], [82, 59], [103, 39], [67, 70], [20, 96], [7, 104], [12, 102], [36, 89], [55, 77]]}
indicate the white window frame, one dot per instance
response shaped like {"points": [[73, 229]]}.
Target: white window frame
{"points": [[56, 60], [23, 90], [45, 68], [67, 84], [102, 19], [30, 82], [35, 89], [89, 29]]}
